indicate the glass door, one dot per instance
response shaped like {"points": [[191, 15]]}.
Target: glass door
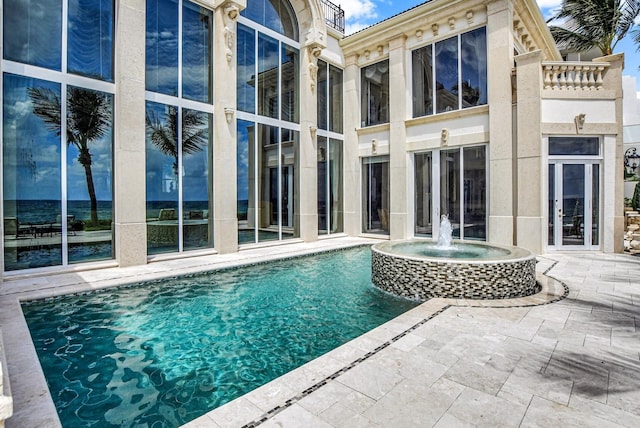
{"points": [[574, 205], [375, 195]]}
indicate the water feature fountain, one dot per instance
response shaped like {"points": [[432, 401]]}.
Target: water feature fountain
{"points": [[421, 269]]}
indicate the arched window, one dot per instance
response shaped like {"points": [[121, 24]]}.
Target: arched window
{"points": [[277, 15], [268, 111]]}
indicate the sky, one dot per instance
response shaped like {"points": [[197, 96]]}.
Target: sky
{"points": [[360, 14]]}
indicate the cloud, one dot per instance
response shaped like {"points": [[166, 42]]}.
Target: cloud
{"points": [[545, 4], [549, 7], [358, 9], [353, 27]]}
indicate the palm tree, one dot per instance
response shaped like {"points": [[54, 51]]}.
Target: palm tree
{"points": [[165, 135], [89, 117], [584, 24]]}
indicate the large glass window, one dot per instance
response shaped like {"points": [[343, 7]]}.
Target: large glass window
{"points": [[196, 52], [245, 83], [276, 15], [178, 184], [446, 59], [277, 67], [90, 38], [330, 210], [179, 125], [246, 181], [329, 149], [422, 72], [289, 70], [329, 97], [474, 193], [162, 46], [267, 183], [450, 188], [473, 61], [423, 194], [451, 182], [32, 186], [375, 195], [33, 32], [458, 66], [268, 134], [57, 137], [375, 94]]}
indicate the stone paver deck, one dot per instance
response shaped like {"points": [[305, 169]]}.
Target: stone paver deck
{"points": [[537, 361]]}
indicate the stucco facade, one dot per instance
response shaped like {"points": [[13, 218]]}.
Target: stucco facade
{"points": [[530, 95]]}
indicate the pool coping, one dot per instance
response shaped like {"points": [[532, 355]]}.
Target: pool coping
{"points": [[32, 402]]}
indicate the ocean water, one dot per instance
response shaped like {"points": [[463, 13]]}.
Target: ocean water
{"points": [[46, 211], [163, 353]]}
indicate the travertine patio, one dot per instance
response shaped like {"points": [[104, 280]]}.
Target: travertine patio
{"points": [[573, 362]]}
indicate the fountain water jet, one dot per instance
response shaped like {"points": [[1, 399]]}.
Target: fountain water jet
{"points": [[445, 235]]}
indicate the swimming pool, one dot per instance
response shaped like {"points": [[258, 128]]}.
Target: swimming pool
{"points": [[166, 352]]}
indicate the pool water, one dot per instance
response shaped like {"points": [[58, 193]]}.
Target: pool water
{"points": [[459, 250], [163, 353]]}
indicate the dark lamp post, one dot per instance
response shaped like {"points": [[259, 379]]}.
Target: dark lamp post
{"points": [[631, 159]]}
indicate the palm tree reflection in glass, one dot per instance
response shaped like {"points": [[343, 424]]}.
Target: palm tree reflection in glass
{"points": [[163, 132], [89, 117]]}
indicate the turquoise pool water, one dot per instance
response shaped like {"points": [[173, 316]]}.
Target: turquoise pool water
{"points": [[163, 353]]}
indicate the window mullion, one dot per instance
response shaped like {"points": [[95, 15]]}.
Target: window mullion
{"points": [[63, 173], [433, 81], [180, 26], [65, 28], [459, 72]]}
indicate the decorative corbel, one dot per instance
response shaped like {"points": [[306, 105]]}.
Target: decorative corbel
{"points": [[579, 121], [452, 22], [434, 29], [228, 113], [231, 12], [313, 130], [444, 137], [374, 146], [380, 50], [419, 35], [314, 52], [469, 17], [367, 53]]}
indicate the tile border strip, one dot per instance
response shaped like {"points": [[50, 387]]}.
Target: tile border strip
{"points": [[274, 411]]}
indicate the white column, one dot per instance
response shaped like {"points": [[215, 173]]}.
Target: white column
{"points": [[225, 217], [307, 192], [531, 231], [501, 151], [129, 145], [352, 191], [399, 216]]}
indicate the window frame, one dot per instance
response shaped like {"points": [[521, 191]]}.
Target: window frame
{"points": [[460, 71]]}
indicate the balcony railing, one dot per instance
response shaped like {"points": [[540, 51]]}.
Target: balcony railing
{"points": [[333, 15], [574, 76]]}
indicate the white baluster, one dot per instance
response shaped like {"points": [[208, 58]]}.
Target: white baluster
{"points": [[547, 77], [554, 77], [563, 81], [570, 72]]}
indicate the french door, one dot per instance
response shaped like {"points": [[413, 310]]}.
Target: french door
{"points": [[574, 205]]}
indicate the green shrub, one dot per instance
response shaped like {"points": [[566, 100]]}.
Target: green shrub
{"points": [[635, 200]]}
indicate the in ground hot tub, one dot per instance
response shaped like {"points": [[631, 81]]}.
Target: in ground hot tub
{"points": [[421, 269]]}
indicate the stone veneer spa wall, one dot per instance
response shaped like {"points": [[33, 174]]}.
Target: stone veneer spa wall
{"points": [[509, 275]]}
